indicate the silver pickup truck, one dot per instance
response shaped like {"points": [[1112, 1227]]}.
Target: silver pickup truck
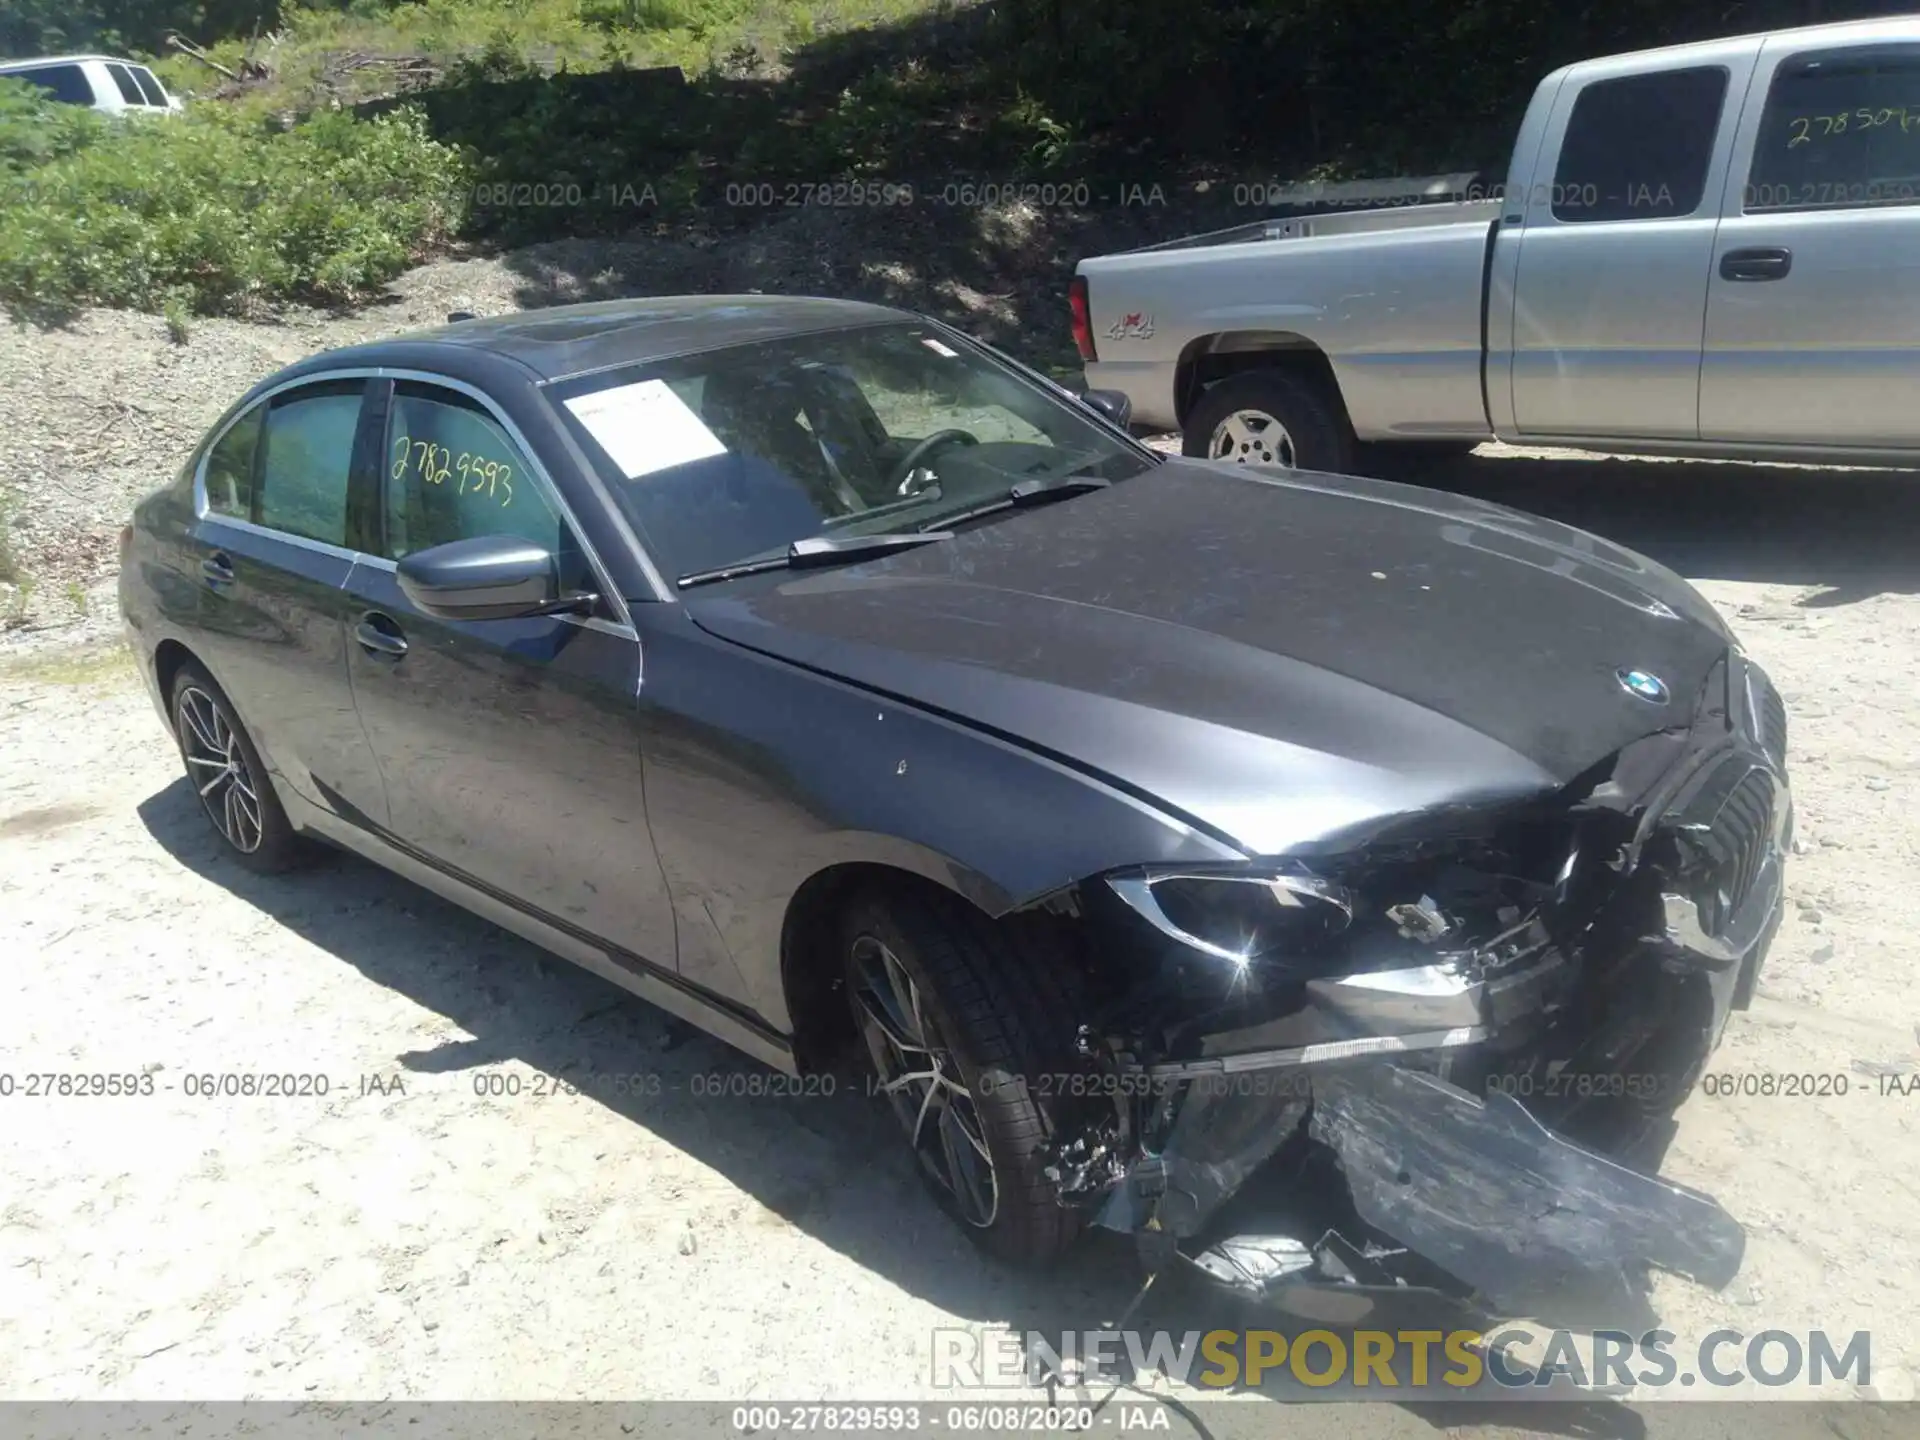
{"points": [[1711, 249]]}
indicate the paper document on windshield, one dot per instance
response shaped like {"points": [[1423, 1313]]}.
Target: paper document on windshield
{"points": [[645, 427]]}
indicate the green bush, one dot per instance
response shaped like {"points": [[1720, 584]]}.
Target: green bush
{"points": [[220, 213], [35, 130]]}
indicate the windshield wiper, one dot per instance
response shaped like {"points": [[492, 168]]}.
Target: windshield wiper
{"points": [[816, 550], [1027, 492]]}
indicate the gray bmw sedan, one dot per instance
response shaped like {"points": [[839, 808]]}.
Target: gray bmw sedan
{"points": [[1136, 825]]}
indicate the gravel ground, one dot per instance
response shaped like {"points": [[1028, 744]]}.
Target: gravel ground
{"points": [[406, 1236]]}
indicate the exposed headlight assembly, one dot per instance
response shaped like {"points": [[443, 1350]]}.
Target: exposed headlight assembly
{"points": [[1239, 914], [1354, 914]]}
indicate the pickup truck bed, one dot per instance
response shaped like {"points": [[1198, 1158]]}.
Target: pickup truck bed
{"points": [[1409, 342]]}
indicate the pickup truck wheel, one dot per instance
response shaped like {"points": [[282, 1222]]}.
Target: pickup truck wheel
{"points": [[1269, 418], [956, 1025]]}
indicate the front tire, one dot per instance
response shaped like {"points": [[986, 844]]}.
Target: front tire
{"points": [[226, 771], [1269, 417], [958, 1026]]}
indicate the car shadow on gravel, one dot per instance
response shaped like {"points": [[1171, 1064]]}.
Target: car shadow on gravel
{"points": [[1854, 532], [833, 1166]]}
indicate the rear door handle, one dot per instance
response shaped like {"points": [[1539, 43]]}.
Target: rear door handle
{"points": [[378, 635], [1763, 262], [217, 569]]}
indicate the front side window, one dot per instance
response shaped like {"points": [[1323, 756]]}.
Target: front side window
{"points": [[735, 452], [1638, 148], [229, 473], [124, 83], [306, 458], [1840, 129], [65, 83], [452, 473]]}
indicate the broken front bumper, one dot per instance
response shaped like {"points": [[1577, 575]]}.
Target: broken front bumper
{"points": [[1488, 1131]]}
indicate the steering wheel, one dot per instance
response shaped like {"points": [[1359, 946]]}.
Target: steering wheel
{"points": [[913, 457]]}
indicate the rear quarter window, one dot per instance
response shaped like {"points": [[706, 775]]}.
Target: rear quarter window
{"points": [[306, 457], [150, 87], [1638, 148], [123, 81], [229, 471]]}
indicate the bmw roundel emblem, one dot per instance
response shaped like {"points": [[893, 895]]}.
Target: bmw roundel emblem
{"points": [[1650, 688]]}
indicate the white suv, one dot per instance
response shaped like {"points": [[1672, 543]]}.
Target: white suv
{"points": [[99, 81]]}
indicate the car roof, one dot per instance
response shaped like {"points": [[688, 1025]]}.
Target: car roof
{"points": [[39, 60], [1866, 30], [563, 341]]}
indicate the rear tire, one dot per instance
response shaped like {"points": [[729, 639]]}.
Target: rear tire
{"points": [[226, 771], [1270, 417], [940, 990]]}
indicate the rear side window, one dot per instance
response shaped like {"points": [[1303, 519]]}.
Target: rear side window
{"points": [[65, 83], [149, 84], [1637, 148], [124, 83], [1841, 129], [452, 473], [229, 472], [306, 458]]}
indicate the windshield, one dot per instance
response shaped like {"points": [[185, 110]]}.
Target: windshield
{"points": [[740, 452]]}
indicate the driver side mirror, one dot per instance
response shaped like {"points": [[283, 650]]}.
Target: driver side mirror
{"points": [[1111, 405], [486, 577]]}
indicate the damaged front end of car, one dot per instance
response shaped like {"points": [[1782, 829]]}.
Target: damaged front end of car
{"points": [[1446, 1055]]}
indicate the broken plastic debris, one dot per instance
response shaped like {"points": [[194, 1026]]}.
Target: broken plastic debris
{"points": [[1253, 1262], [1422, 921]]}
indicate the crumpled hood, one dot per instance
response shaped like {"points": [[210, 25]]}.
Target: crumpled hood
{"points": [[1281, 660]]}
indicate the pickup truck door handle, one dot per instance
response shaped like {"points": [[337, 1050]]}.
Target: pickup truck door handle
{"points": [[1764, 262], [217, 569], [380, 636]]}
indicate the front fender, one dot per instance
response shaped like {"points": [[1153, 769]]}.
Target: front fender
{"points": [[762, 774]]}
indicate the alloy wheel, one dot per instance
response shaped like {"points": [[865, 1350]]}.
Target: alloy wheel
{"points": [[1252, 437], [217, 766], [922, 1081]]}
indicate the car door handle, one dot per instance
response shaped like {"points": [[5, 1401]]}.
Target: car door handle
{"points": [[1764, 262], [217, 569], [378, 635]]}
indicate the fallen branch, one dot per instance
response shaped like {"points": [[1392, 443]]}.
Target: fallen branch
{"points": [[187, 47], [250, 69]]}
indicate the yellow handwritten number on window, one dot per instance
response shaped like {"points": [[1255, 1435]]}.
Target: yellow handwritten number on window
{"points": [[1805, 129], [436, 464]]}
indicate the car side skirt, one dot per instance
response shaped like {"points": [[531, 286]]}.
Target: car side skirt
{"points": [[632, 973]]}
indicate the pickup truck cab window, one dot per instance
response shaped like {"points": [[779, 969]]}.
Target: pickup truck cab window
{"points": [[1841, 128], [1639, 147]]}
